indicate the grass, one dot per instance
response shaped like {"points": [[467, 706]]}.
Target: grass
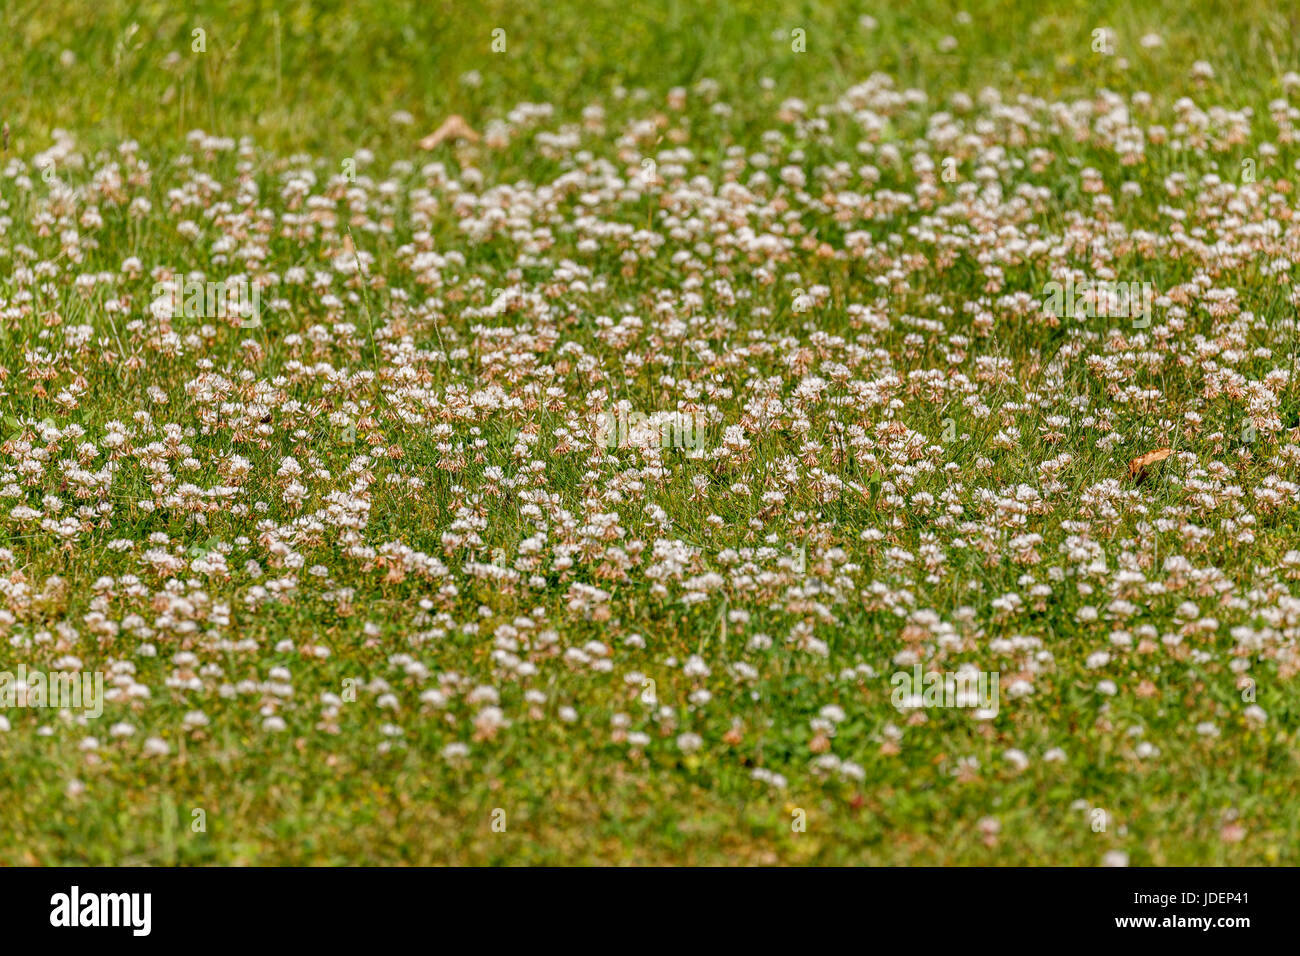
{"points": [[382, 558]]}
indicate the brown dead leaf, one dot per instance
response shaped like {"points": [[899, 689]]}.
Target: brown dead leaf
{"points": [[1138, 467], [453, 127]]}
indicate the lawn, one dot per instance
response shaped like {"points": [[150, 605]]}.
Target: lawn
{"points": [[508, 433]]}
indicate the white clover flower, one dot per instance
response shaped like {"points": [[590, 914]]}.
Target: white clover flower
{"points": [[833, 713]]}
